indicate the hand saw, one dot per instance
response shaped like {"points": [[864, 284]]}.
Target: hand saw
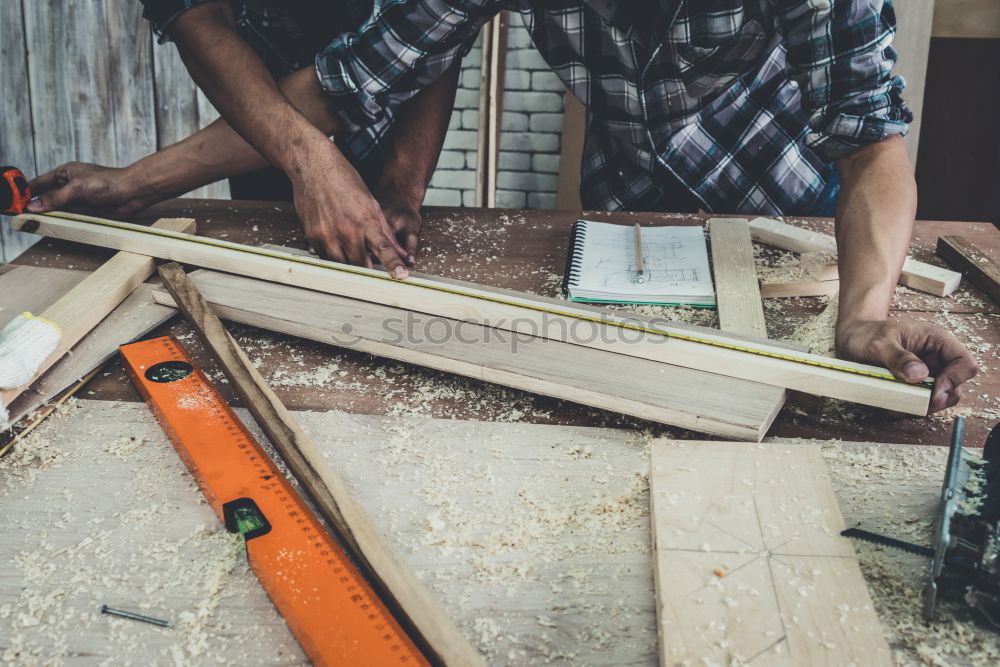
{"points": [[328, 605]]}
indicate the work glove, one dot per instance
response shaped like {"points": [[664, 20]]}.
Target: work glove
{"points": [[25, 343]]}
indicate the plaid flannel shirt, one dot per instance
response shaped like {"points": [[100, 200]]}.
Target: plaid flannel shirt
{"points": [[744, 102]]}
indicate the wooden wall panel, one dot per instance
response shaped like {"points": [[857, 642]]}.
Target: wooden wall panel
{"points": [[16, 146], [913, 41], [181, 108]]}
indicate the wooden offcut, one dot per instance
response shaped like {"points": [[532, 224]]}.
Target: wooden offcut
{"points": [[627, 334], [395, 582], [799, 288], [915, 274], [981, 271], [491, 86], [749, 564], [94, 297], [736, 289], [702, 402]]}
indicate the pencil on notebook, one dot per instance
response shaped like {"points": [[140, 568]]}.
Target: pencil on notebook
{"points": [[639, 277]]}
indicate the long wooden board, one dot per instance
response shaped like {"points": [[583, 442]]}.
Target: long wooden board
{"points": [[981, 271], [750, 567], [27, 287], [81, 309], [328, 490], [915, 274], [703, 402], [737, 291], [624, 334]]}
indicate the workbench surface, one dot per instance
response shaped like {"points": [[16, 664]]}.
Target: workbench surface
{"points": [[526, 250]]}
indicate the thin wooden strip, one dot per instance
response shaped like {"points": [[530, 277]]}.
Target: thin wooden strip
{"points": [[27, 287], [797, 288], [915, 274], [981, 271], [81, 309], [749, 564], [671, 395], [736, 291], [758, 362], [328, 490]]}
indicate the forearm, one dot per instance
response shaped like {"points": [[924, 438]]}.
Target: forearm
{"points": [[241, 88], [417, 138], [875, 217]]}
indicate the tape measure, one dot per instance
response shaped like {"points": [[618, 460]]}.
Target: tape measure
{"points": [[326, 602], [14, 191], [414, 282]]}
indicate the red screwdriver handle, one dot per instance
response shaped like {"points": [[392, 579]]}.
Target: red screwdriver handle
{"points": [[14, 191]]}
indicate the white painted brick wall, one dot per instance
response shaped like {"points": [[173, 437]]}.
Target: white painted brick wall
{"points": [[530, 132]]}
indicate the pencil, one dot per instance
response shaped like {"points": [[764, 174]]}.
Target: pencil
{"points": [[639, 277]]}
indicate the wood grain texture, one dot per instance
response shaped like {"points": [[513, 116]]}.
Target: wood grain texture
{"points": [[395, 582], [967, 18], [981, 271], [508, 310], [181, 108], [28, 287], [571, 153], [915, 274], [491, 87], [799, 288], [736, 288], [749, 562], [702, 402], [130, 65], [912, 44], [17, 146], [79, 310]]}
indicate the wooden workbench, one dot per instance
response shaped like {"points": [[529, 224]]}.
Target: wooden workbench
{"points": [[526, 250]]}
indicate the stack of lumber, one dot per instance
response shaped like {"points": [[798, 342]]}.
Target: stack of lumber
{"points": [[724, 383]]}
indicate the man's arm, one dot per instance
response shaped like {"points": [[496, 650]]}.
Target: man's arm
{"points": [[875, 213], [417, 137]]}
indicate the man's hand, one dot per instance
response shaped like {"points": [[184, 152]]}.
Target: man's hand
{"points": [[342, 220], [90, 188], [405, 222], [912, 352]]}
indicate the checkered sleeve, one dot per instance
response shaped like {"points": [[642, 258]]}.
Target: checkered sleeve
{"points": [[403, 47], [162, 13], [840, 55]]}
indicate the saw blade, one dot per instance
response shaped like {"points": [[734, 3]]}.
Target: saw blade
{"points": [[875, 538]]}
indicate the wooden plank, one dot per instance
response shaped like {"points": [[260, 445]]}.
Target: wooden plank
{"points": [[29, 287], [491, 89], [799, 288], [571, 153], [695, 400], [966, 18], [749, 562], [527, 314], [981, 271], [736, 290], [397, 584], [915, 274], [16, 135], [181, 109], [130, 65], [912, 44], [82, 308]]}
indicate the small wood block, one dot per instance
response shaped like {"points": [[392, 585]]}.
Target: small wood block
{"points": [[736, 290], [799, 288], [785, 236], [981, 271], [929, 278], [749, 564]]}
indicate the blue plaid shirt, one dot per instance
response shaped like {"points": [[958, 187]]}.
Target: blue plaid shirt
{"points": [[744, 102]]}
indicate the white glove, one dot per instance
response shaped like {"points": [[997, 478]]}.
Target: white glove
{"points": [[25, 343]]}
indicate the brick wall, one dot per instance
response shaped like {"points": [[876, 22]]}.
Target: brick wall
{"points": [[528, 164]]}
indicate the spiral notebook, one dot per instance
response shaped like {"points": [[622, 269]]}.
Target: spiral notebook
{"points": [[601, 267]]}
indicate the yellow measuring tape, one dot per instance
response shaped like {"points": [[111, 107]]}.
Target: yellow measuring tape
{"points": [[823, 362]]}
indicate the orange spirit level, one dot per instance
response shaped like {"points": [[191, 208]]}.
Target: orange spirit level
{"points": [[327, 604]]}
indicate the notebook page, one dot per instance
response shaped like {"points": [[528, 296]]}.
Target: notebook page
{"points": [[675, 261]]}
